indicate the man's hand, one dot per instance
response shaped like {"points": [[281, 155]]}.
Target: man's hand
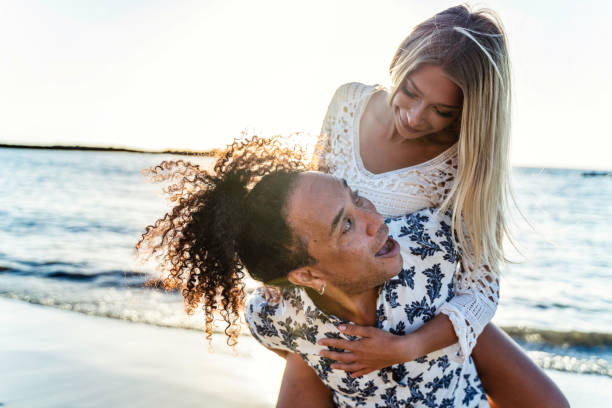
{"points": [[375, 350]]}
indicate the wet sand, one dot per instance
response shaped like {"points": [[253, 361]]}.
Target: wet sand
{"points": [[54, 358]]}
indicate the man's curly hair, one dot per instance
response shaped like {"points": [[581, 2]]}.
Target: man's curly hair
{"points": [[223, 222]]}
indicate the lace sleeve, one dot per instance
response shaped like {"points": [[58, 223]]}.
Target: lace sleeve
{"points": [[473, 306], [476, 288], [322, 157], [323, 146]]}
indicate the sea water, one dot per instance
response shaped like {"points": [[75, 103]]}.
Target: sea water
{"points": [[69, 221]]}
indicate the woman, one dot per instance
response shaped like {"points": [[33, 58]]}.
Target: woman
{"points": [[439, 137]]}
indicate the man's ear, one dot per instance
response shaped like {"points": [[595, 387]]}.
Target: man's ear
{"points": [[307, 276]]}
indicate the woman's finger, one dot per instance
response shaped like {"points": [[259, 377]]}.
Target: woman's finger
{"points": [[345, 357], [336, 343], [361, 372], [356, 330]]}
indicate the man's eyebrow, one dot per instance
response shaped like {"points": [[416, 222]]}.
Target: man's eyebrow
{"points": [[338, 216], [336, 221], [439, 104]]}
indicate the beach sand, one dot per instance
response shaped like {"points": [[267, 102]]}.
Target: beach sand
{"points": [[55, 358]]}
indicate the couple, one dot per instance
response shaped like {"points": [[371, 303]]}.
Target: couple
{"points": [[437, 138], [339, 261]]}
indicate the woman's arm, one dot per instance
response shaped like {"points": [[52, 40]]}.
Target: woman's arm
{"points": [[473, 306], [301, 387], [377, 348], [508, 375]]}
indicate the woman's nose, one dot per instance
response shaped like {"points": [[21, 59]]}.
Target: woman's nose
{"points": [[415, 115]]}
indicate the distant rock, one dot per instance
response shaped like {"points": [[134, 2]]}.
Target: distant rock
{"points": [[596, 174]]}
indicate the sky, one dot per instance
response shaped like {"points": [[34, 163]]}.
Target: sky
{"points": [[186, 74]]}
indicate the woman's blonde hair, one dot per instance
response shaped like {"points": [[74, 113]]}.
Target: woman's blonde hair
{"points": [[471, 49]]}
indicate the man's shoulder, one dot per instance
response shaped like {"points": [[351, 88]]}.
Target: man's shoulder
{"points": [[262, 317], [425, 236], [430, 218], [258, 306], [287, 308], [293, 323]]}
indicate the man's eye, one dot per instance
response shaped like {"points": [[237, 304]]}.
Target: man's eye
{"points": [[348, 224]]}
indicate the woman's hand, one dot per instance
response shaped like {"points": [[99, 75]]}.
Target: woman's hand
{"points": [[375, 350], [378, 349]]}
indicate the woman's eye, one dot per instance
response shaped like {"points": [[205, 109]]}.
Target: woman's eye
{"points": [[444, 114], [408, 93], [348, 224]]}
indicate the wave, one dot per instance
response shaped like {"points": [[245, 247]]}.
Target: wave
{"points": [[572, 364], [33, 267], [60, 271], [560, 338], [62, 224]]}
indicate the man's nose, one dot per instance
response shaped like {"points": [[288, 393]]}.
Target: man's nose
{"points": [[374, 222]]}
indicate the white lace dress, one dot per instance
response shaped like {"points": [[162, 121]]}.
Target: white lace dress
{"points": [[405, 191]]}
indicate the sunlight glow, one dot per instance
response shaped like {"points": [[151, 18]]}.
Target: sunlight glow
{"points": [[193, 75]]}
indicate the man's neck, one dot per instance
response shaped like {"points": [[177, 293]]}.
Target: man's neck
{"points": [[359, 308]]}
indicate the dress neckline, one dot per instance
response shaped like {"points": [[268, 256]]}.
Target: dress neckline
{"points": [[360, 109]]}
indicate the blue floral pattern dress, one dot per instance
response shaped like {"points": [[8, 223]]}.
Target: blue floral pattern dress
{"points": [[405, 303]]}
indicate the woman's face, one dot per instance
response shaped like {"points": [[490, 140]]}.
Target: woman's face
{"points": [[426, 103]]}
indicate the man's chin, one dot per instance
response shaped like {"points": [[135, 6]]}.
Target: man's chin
{"points": [[400, 264], [396, 269]]}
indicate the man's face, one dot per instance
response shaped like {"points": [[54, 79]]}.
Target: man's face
{"points": [[344, 233]]}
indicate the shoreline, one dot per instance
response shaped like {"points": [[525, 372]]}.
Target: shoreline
{"points": [[58, 358], [536, 336], [205, 153]]}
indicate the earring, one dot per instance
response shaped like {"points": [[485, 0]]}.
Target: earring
{"points": [[322, 290]]}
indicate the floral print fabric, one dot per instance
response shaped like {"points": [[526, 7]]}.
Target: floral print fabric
{"points": [[404, 304]]}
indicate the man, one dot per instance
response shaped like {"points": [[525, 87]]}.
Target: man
{"points": [[259, 209], [361, 274]]}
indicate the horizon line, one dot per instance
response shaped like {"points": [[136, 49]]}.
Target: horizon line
{"points": [[210, 152], [216, 151]]}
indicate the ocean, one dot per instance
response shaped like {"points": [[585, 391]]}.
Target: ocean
{"points": [[69, 221]]}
